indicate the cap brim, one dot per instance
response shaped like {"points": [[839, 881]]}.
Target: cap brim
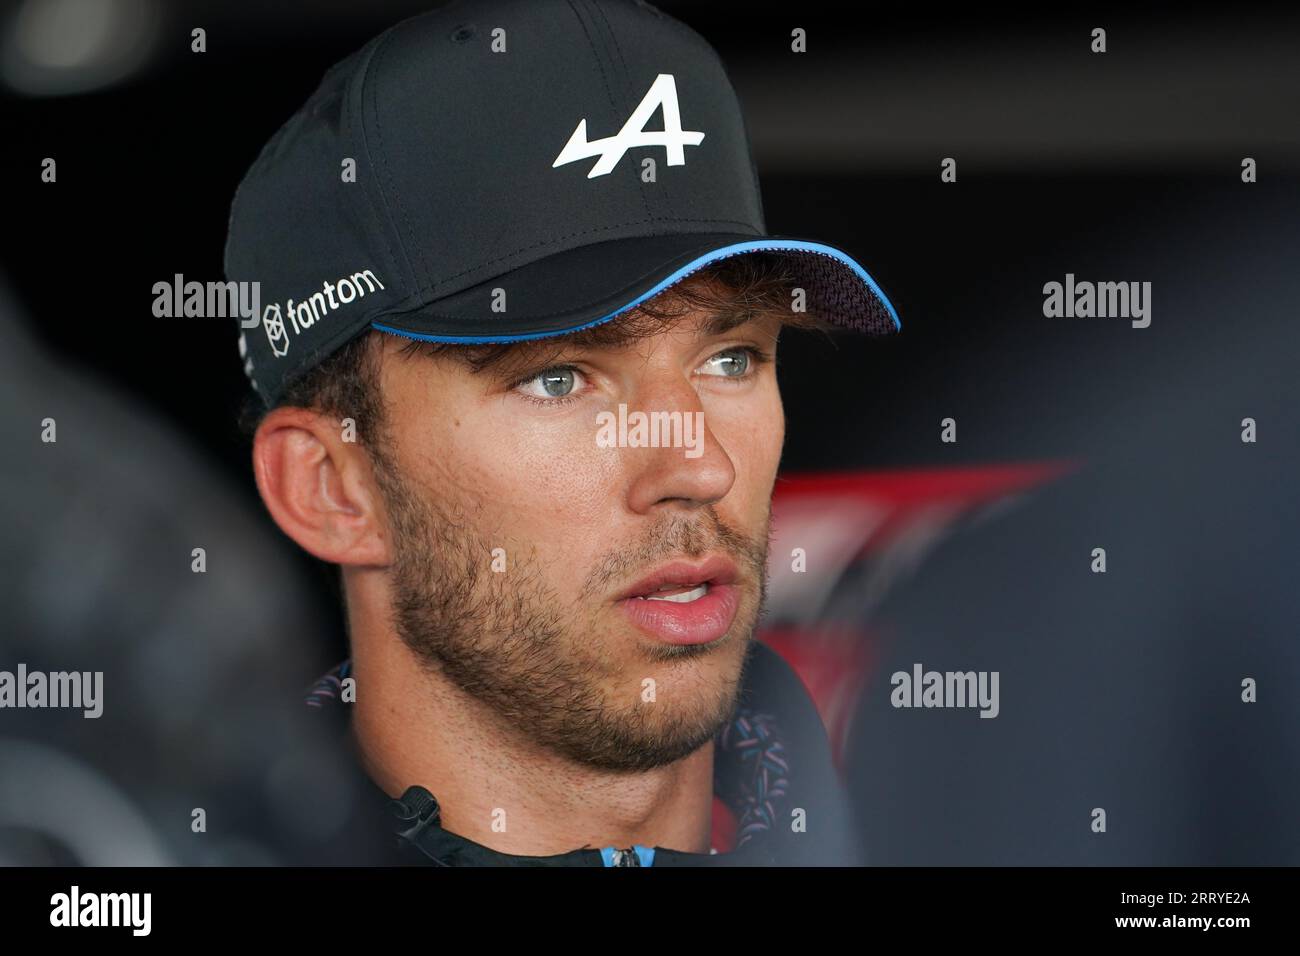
{"points": [[583, 287]]}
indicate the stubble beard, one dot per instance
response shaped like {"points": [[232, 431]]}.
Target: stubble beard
{"points": [[544, 667]]}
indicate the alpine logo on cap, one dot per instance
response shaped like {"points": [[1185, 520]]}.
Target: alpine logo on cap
{"points": [[662, 92]]}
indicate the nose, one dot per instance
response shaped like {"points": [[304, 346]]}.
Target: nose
{"points": [[688, 468]]}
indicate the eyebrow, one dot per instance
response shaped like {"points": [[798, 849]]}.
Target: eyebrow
{"points": [[726, 320]]}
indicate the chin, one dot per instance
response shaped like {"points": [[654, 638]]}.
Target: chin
{"points": [[697, 670]]}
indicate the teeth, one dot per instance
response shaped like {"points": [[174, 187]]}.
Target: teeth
{"points": [[686, 597]]}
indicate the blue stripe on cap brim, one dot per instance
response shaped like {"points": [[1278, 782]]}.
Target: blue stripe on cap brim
{"points": [[733, 249]]}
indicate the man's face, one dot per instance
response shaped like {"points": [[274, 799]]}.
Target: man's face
{"points": [[599, 599]]}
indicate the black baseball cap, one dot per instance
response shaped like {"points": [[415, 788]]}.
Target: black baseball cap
{"points": [[505, 170]]}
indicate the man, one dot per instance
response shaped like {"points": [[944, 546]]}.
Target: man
{"points": [[516, 370]]}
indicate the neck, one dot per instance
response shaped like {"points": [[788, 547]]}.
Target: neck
{"points": [[499, 788]]}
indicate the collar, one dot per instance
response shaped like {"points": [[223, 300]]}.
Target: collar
{"points": [[752, 784]]}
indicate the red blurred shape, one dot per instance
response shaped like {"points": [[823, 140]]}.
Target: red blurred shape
{"points": [[880, 526]]}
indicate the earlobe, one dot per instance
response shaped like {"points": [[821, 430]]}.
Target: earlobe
{"points": [[318, 488]]}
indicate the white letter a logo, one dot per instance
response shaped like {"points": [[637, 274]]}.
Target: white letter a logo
{"points": [[662, 92]]}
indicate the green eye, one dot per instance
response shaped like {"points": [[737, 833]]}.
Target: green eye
{"points": [[733, 363]]}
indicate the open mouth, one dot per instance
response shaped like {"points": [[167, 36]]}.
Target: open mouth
{"points": [[685, 602], [684, 581], [676, 594]]}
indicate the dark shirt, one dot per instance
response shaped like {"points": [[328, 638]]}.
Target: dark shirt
{"points": [[771, 761]]}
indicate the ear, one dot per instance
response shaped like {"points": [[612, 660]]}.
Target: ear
{"points": [[320, 489]]}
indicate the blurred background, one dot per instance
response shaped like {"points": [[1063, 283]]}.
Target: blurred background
{"points": [[1119, 690]]}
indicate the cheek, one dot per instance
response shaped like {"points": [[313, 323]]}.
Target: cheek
{"points": [[526, 479]]}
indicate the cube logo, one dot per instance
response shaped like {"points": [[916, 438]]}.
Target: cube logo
{"points": [[276, 334]]}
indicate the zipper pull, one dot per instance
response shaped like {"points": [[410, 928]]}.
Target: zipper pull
{"points": [[626, 857]]}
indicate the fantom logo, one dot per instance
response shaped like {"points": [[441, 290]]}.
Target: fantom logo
{"points": [[298, 316]]}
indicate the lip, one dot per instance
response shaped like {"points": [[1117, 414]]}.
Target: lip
{"points": [[699, 622], [715, 569]]}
